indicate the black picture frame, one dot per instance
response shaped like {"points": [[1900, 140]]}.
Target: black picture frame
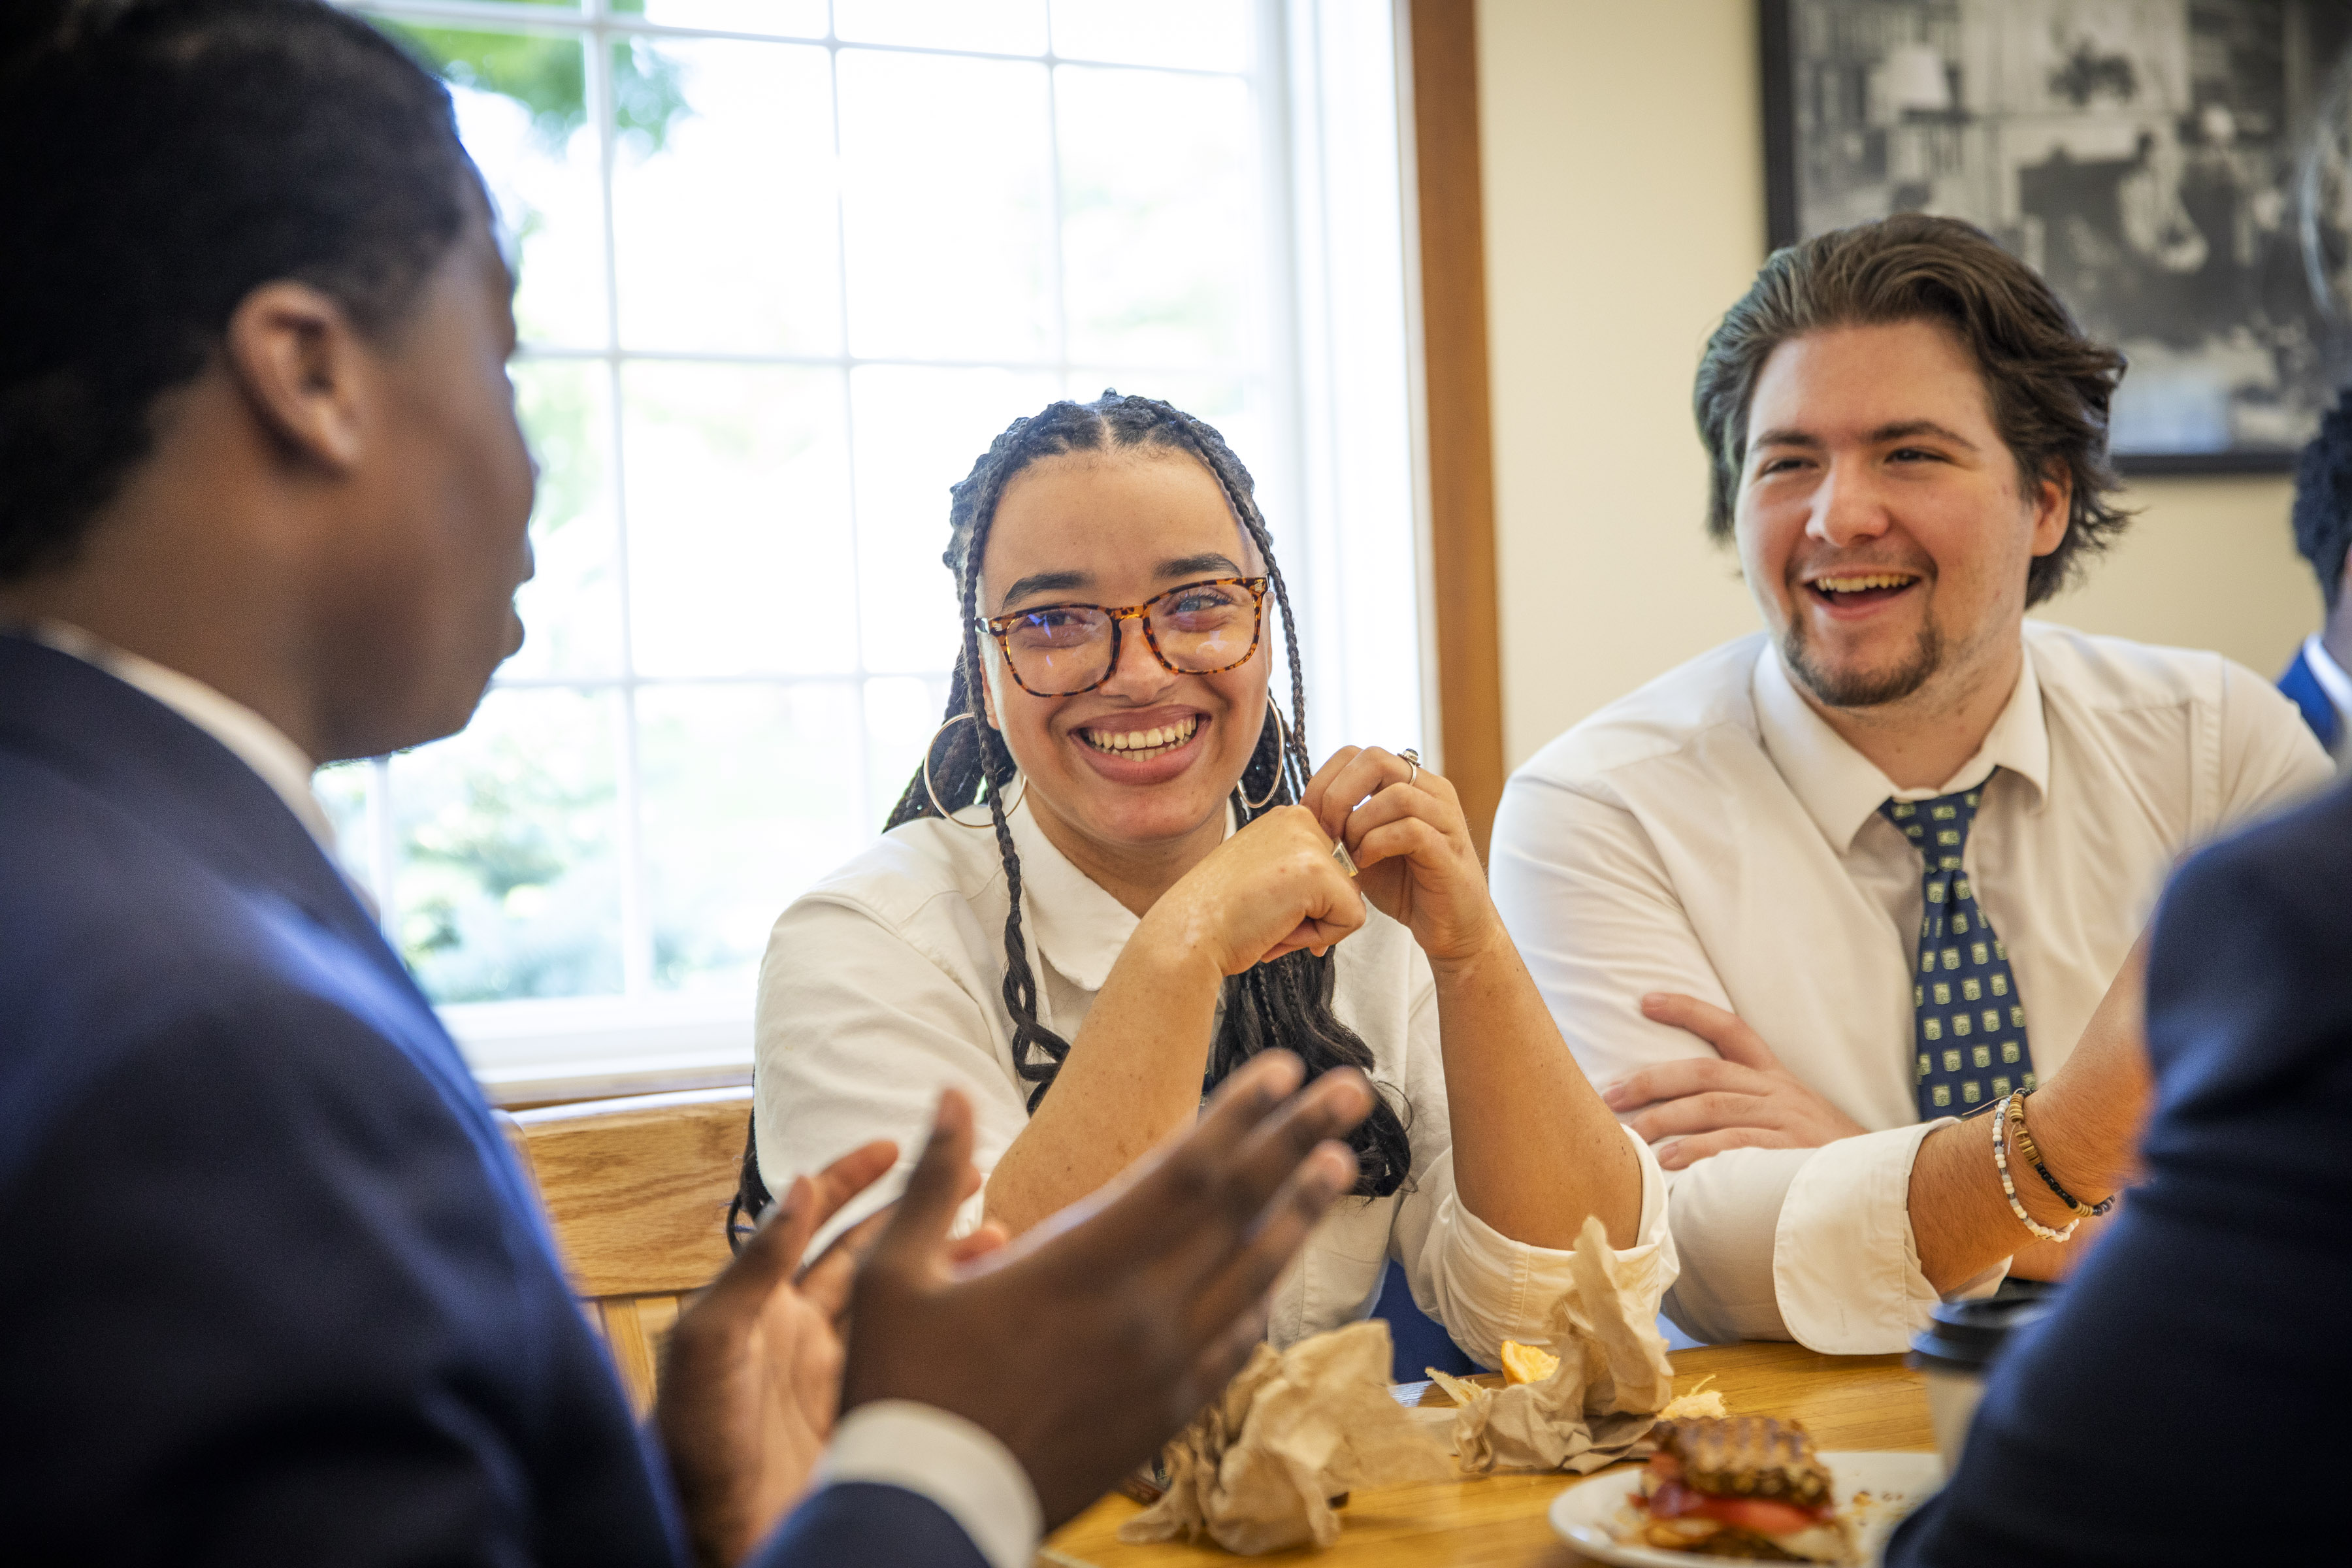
{"points": [[2226, 112]]}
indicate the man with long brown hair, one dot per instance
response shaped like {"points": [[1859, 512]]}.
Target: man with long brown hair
{"points": [[1805, 903]]}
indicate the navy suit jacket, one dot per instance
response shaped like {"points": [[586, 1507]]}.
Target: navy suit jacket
{"points": [[2184, 1401], [271, 1287], [2318, 708]]}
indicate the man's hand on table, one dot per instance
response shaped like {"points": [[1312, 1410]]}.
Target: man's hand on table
{"points": [[1087, 1344], [1740, 1098]]}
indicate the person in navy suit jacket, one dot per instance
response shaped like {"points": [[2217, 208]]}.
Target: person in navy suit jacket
{"points": [[272, 1289], [2316, 677], [2181, 1404]]}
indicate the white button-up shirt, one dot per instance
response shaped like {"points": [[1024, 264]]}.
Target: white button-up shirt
{"points": [[883, 985], [1712, 835]]}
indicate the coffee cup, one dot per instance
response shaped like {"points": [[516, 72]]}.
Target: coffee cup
{"points": [[1958, 1348]]}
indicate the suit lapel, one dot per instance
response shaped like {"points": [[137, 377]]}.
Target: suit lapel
{"points": [[180, 783]]}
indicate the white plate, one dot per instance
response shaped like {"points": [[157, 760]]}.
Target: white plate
{"points": [[1897, 1483]]}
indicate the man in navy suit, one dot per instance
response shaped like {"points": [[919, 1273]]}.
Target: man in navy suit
{"points": [[272, 1290], [2316, 679], [2182, 1404]]}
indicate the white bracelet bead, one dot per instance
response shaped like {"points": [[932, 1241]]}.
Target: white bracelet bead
{"points": [[2007, 1187]]}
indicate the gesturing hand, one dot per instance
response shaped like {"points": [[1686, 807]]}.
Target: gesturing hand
{"points": [[1411, 846], [1084, 1344], [752, 1381], [1742, 1098]]}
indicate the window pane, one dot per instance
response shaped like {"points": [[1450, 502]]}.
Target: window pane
{"points": [[1203, 34], [902, 713], [920, 431], [998, 26], [947, 194], [522, 110], [343, 789], [572, 606], [741, 556], [509, 881], [1159, 251], [794, 18], [723, 197], [1231, 403], [751, 793]]}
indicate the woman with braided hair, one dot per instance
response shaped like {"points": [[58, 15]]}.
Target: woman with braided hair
{"points": [[1112, 881]]}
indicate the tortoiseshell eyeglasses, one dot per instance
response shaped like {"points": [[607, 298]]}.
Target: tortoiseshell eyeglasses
{"points": [[1201, 628]]}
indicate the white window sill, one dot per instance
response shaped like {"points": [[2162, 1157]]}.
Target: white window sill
{"points": [[530, 1053]]}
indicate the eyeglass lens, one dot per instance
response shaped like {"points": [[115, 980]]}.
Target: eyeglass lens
{"points": [[1199, 629]]}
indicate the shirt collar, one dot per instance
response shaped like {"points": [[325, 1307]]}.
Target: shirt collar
{"points": [[2332, 678], [1077, 926], [1841, 789], [253, 740]]}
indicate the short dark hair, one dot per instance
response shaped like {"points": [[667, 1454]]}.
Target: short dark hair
{"points": [[2050, 386], [165, 158], [2322, 498]]}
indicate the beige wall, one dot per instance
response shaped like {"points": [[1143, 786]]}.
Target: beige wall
{"points": [[1624, 198]]}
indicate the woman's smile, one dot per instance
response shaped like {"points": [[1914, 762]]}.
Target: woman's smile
{"points": [[1146, 746]]}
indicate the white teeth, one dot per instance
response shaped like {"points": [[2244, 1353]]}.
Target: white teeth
{"points": [[1143, 742], [1861, 583]]}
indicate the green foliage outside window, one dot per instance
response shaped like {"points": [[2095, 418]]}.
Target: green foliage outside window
{"points": [[548, 76]]}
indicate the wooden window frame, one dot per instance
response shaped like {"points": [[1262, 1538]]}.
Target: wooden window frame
{"points": [[1459, 434]]}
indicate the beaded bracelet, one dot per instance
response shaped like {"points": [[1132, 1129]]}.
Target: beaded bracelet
{"points": [[2007, 1187], [2023, 1137]]}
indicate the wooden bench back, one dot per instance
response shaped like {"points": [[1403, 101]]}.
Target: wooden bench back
{"points": [[636, 1191]]}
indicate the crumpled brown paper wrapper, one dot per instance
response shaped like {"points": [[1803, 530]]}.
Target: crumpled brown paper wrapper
{"points": [[1598, 1405], [1256, 1471]]}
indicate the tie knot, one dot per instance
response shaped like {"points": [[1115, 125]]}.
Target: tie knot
{"points": [[1938, 826]]}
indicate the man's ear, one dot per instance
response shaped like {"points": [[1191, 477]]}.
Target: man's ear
{"points": [[296, 356], [2053, 501]]}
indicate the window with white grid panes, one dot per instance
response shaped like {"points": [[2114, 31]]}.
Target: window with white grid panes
{"points": [[784, 269]]}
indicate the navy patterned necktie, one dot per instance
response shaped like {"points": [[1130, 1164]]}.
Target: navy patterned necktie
{"points": [[1969, 1021]]}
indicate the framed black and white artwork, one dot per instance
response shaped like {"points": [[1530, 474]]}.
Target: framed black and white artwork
{"points": [[2177, 169]]}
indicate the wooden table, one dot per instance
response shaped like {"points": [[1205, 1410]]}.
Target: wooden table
{"points": [[1845, 1401]]}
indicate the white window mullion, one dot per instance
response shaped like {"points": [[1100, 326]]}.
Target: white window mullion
{"points": [[1299, 496], [636, 926], [862, 748], [383, 846], [1058, 258]]}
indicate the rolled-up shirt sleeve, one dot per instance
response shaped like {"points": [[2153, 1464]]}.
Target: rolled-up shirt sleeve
{"points": [[1487, 1287], [1483, 1285]]}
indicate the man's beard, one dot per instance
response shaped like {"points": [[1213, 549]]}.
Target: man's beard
{"points": [[1863, 690]]}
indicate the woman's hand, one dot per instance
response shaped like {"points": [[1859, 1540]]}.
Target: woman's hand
{"points": [[1411, 845], [1269, 889]]}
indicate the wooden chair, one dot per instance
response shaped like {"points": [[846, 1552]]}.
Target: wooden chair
{"points": [[636, 1191]]}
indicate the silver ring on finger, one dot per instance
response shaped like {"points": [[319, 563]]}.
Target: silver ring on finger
{"points": [[1412, 759]]}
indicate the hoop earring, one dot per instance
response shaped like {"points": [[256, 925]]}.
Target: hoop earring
{"points": [[1281, 755], [929, 790]]}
